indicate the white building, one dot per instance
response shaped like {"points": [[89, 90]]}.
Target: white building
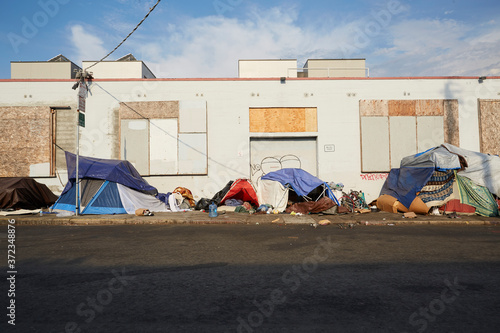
{"points": [[58, 67], [126, 67], [201, 133]]}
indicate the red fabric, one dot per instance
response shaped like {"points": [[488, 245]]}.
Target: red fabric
{"points": [[455, 206], [242, 189]]}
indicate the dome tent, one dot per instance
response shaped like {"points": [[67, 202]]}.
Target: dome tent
{"points": [[107, 187]]}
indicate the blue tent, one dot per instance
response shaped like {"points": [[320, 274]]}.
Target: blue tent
{"points": [[107, 187], [118, 171], [301, 181]]}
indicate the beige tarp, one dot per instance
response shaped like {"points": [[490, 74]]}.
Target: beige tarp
{"points": [[273, 193]]}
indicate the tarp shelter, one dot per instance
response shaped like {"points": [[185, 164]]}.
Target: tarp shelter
{"points": [[242, 189], [302, 182], [107, 187], [440, 174], [273, 193], [24, 193]]}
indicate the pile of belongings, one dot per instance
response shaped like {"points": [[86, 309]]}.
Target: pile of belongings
{"points": [[24, 193], [446, 176], [110, 186], [286, 190], [239, 196]]}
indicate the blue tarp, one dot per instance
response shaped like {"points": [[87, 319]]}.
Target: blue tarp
{"points": [[415, 171], [119, 171], [404, 183], [301, 181]]}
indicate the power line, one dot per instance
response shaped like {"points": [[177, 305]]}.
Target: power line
{"points": [[123, 41]]}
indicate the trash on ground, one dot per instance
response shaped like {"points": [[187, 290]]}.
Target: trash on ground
{"points": [[410, 215]]}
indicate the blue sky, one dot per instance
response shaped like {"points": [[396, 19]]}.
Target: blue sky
{"points": [[195, 38]]}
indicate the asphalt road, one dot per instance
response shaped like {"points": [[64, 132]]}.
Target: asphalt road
{"points": [[253, 278]]}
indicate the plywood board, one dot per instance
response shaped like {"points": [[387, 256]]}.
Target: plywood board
{"points": [[451, 122], [311, 120], [276, 120], [149, 109], [430, 132], [402, 108], [26, 141], [375, 144], [403, 138], [489, 126], [429, 107], [375, 107]]}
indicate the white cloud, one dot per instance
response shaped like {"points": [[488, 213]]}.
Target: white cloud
{"points": [[211, 46], [440, 47], [85, 46]]}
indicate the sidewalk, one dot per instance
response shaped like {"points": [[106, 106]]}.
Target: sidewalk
{"points": [[197, 217]]}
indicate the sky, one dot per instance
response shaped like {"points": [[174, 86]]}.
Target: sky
{"points": [[206, 38]]}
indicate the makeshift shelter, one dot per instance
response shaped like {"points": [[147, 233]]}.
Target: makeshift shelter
{"points": [[305, 185], [273, 193], [302, 182], [107, 187], [24, 193], [439, 175], [242, 189]]}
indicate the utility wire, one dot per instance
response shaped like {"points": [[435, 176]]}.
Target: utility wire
{"points": [[123, 41]]}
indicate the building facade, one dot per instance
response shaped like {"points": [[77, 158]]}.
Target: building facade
{"points": [[201, 133]]}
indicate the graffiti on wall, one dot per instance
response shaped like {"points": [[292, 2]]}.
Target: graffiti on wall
{"points": [[273, 163], [374, 176]]}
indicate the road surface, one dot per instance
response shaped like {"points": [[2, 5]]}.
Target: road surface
{"points": [[253, 278]]}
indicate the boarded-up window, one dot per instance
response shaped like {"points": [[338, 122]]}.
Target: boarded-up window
{"points": [[165, 138], [26, 141], [65, 133], [280, 120], [403, 138], [375, 142], [135, 143], [192, 153], [393, 129], [163, 147], [489, 126]]}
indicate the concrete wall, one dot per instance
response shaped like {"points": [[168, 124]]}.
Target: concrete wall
{"points": [[335, 68], [267, 68], [42, 70], [228, 102], [118, 70]]}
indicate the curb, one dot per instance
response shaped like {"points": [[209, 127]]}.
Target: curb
{"points": [[198, 218]]}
